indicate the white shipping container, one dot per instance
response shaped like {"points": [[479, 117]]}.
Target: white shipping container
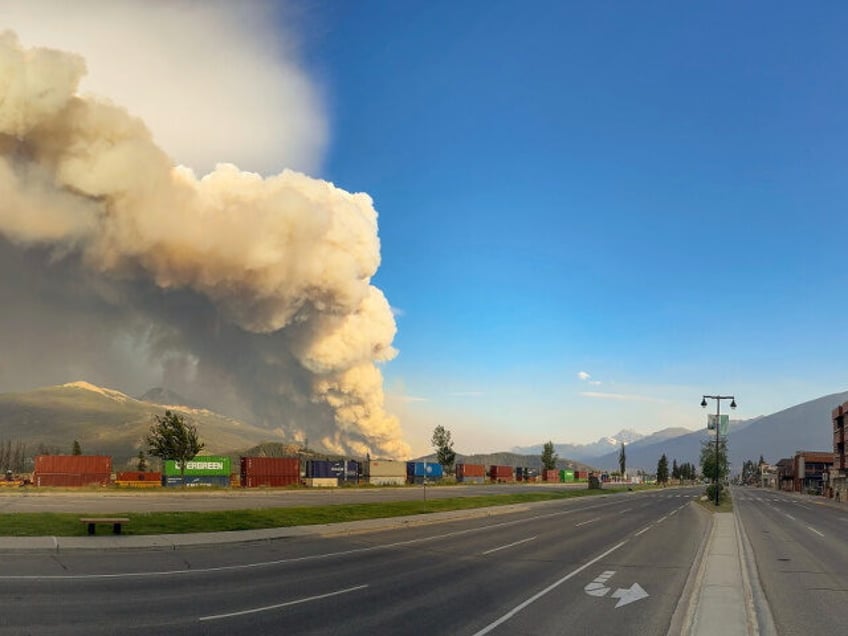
{"points": [[387, 480], [322, 482], [385, 468]]}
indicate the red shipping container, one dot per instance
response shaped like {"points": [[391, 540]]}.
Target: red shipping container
{"points": [[269, 471], [68, 480], [550, 475], [501, 473], [269, 481], [470, 470], [73, 464]]}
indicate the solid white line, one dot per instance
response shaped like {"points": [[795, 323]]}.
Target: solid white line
{"points": [[583, 523], [643, 531], [255, 610], [816, 531], [508, 545], [552, 586]]}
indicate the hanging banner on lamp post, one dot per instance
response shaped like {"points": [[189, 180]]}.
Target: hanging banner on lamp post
{"points": [[723, 423]]}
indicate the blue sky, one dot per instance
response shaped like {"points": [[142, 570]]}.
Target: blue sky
{"points": [[590, 213], [649, 193]]}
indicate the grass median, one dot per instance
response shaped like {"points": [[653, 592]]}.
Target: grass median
{"points": [[36, 524]]}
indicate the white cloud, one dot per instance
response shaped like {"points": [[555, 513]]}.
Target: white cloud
{"points": [[620, 397], [583, 375]]}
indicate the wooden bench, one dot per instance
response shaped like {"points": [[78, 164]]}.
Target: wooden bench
{"points": [[116, 522]]}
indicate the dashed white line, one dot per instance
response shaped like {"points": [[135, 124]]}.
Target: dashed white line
{"points": [[583, 523], [625, 510], [255, 610], [814, 530], [643, 531], [509, 545], [661, 519]]}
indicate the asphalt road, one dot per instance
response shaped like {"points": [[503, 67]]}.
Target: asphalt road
{"points": [[599, 565], [802, 557]]}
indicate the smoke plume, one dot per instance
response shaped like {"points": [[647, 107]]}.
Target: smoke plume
{"points": [[255, 292]]}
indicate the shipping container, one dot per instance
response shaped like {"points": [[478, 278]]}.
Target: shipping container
{"points": [[269, 472], [269, 481], [431, 470], [581, 475], [197, 481], [200, 466], [345, 470], [566, 476], [74, 464], [550, 475], [70, 480], [385, 480], [470, 470], [322, 482], [138, 479], [501, 473], [385, 468]]}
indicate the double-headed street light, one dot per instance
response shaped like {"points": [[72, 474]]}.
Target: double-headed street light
{"points": [[718, 399]]}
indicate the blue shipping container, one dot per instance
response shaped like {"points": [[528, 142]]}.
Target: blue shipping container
{"points": [[192, 481], [344, 470], [431, 470]]}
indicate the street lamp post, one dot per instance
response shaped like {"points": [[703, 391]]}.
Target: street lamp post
{"points": [[718, 399]]}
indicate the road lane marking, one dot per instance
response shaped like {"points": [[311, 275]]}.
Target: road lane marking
{"points": [[625, 510], [661, 519], [790, 516], [583, 523], [643, 530], [542, 593], [816, 531], [508, 545], [266, 608]]}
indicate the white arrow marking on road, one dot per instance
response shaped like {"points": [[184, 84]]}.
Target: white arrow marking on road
{"points": [[624, 597], [597, 587]]}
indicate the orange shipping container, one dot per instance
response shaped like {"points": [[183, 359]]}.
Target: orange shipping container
{"points": [[134, 475]]}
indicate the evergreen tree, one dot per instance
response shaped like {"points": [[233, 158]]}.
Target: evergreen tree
{"points": [[443, 446], [662, 470], [622, 461], [549, 458], [77, 449]]}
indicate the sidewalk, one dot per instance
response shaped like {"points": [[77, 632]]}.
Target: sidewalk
{"points": [[720, 596]]}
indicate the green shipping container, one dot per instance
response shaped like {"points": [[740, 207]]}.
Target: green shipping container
{"points": [[566, 475], [200, 466]]}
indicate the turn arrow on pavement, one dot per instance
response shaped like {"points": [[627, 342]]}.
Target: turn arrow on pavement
{"points": [[628, 596], [625, 596]]}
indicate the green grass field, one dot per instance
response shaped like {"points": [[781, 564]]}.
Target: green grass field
{"points": [[68, 524]]}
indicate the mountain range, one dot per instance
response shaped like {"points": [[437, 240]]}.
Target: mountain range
{"points": [[805, 426], [109, 422]]}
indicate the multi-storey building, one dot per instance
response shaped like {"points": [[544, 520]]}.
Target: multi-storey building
{"points": [[838, 472]]}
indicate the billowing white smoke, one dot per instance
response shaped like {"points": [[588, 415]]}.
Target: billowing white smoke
{"points": [[263, 284]]}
